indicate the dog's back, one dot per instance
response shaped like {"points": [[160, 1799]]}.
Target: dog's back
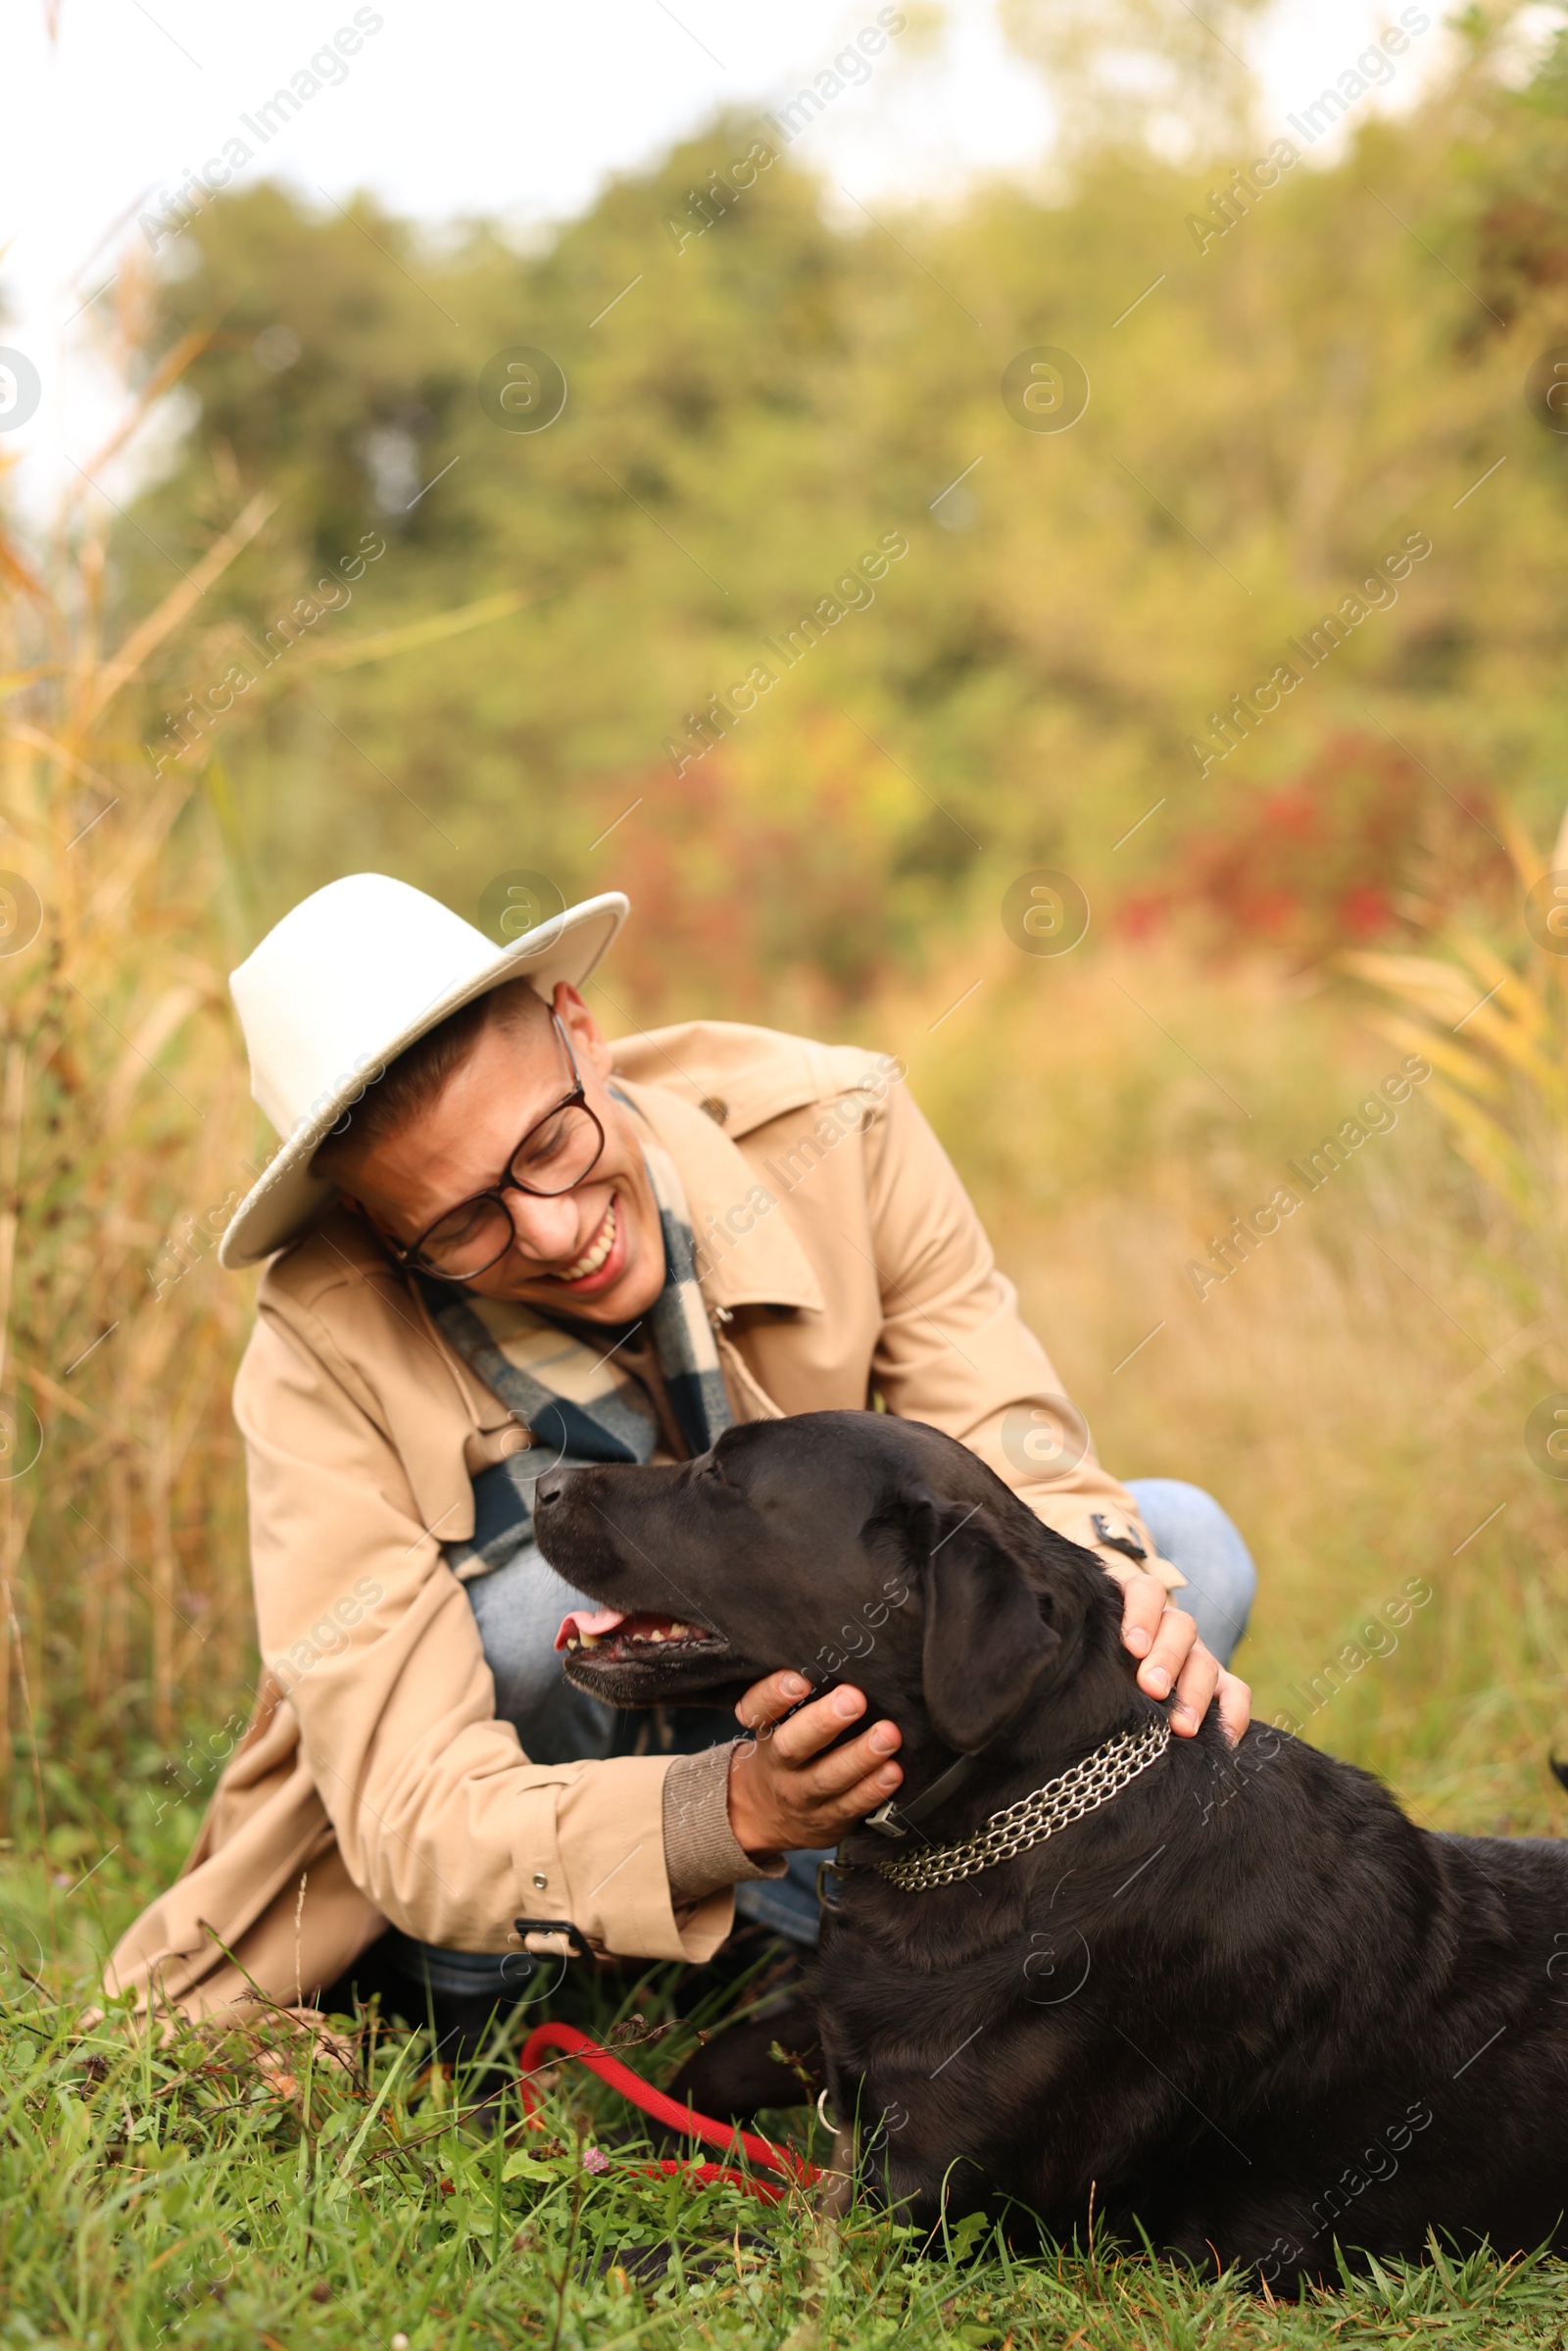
{"points": [[1252, 2026]]}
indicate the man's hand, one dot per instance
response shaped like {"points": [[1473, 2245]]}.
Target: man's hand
{"points": [[1166, 1638], [784, 1793]]}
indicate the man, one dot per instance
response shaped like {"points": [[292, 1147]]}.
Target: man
{"points": [[499, 1242]]}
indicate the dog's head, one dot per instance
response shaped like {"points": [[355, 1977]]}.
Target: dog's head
{"points": [[851, 1545]]}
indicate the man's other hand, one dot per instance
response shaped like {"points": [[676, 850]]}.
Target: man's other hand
{"points": [[785, 1792], [1165, 1639]]}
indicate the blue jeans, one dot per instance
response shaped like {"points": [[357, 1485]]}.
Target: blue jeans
{"points": [[518, 1608]]}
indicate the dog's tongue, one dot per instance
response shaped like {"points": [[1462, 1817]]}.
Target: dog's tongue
{"points": [[589, 1620]]}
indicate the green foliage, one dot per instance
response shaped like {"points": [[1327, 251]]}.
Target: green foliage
{"points": [[753, 403]]}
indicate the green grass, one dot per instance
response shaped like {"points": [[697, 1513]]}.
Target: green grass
{"points": [[238, 2187]]}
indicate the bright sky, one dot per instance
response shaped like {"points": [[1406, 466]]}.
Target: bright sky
{"points": [[496, 106]]}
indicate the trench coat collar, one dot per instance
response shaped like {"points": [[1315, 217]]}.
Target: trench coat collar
{"points": [[747, 1255]]}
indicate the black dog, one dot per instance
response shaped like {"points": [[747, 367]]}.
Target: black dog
{"points": [[1241, 2004]]}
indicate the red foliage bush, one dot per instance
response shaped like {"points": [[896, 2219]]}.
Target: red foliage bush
{"points": [[1341, 854], [738, 890]]}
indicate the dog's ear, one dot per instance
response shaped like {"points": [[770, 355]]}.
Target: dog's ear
{"points": [[987, 1634]]}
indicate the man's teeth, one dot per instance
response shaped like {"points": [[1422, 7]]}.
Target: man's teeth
{"points": [[594, 1256]]}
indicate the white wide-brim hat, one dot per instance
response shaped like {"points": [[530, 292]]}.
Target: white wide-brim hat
{"points": [[343, 985]]}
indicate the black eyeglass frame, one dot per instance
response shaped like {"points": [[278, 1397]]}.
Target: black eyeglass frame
{"points": [[413, 1254]]}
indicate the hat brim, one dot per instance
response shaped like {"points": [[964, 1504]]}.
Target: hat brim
{"points": [[287, 1199]]}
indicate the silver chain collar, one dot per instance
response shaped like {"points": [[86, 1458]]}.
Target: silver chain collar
{"points": [[1085, 1786]]}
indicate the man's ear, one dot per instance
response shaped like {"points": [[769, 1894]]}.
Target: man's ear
{"points": [[587, 1038], [986, 1637]]}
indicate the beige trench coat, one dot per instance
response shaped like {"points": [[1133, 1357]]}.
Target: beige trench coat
{"points": [[840, 1257]]}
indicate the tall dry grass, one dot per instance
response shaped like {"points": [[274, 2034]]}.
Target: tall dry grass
{"points": [[1493, 1017], [124, 1130]]}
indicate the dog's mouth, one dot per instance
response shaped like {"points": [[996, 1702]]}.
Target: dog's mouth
{"points": [[612, 1637]]}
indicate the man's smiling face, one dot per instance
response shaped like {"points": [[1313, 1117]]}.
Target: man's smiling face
{"points": [[595, 1253]]}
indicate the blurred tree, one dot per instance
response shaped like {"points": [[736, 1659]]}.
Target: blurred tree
{"points": [[757, 398], [1151, 73]]}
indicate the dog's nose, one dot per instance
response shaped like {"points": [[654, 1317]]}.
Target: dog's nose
{"points": [[550, 1489]]}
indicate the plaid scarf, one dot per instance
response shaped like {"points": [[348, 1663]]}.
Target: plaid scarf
{"points": [[562, 1381]]}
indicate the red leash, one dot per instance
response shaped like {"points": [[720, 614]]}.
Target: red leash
{"points": [[570, 2042]]}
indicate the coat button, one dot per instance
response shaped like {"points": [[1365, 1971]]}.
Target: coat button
{"points": [[540, 1879], [716, 1107]]}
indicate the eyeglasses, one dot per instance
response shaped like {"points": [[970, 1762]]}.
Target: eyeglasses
{"points": [[556, 1153]]}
